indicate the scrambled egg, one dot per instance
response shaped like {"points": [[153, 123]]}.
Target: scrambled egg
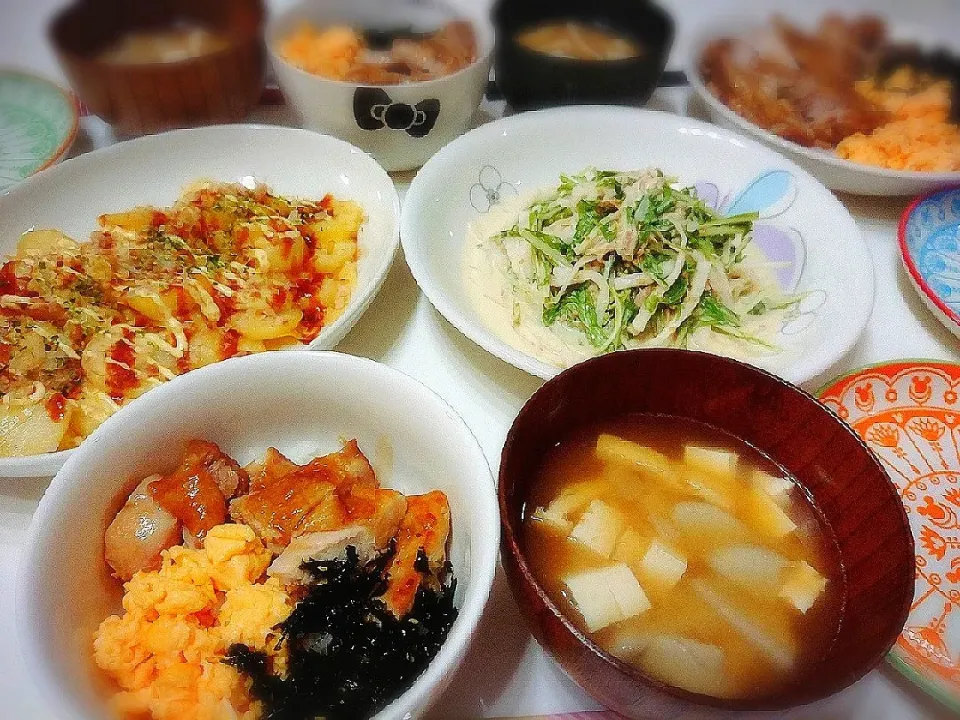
{"points": [[165, 650], [919, 137]]}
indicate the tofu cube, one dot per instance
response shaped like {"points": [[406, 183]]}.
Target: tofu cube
{"points": [[802, 586], [711, 460], [598, 528], [662, 566], [606, 595]]}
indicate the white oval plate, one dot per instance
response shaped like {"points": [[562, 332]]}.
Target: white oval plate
{"points": [[833, 171], [826, 255], [312, 402], [154, 170]]}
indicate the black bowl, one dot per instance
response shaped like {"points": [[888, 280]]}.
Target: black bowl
{"points": [[530, 79]]}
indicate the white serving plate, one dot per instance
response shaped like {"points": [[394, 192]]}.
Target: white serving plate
{"points": [[303, 404], [829, 261], [833, 171], [154, 170]]}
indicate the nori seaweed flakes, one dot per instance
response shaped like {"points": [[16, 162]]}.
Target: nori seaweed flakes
{"points": [[348, 656]]}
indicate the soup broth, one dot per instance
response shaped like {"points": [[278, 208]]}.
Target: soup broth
{"points": [[686, 553], [578, 41]]}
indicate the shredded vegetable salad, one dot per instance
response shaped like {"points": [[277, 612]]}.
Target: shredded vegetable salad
{"points": [[628, 259]]}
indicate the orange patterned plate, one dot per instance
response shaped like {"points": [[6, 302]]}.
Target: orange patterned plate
{"points": [[908, 413]]}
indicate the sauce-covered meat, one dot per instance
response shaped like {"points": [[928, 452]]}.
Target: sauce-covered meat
{"points": [[800, 85]]}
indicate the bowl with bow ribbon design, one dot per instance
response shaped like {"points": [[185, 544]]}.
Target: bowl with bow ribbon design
{"points": [[401, 123]]}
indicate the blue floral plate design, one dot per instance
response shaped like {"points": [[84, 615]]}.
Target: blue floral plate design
{"points": [[930, 248]]}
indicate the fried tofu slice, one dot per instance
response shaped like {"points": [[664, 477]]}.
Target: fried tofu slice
{"points": [[424, 530]]}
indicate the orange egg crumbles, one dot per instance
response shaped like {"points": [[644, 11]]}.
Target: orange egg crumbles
{"points": [[165, 650], [920, 136]]}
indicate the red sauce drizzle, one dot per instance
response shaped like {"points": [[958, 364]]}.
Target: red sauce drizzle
{"points": [[9, 284], [228, 346], [56, 404], [120, 373]]}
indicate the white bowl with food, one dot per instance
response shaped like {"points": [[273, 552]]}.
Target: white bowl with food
{"points": [[398, 79], [549, 237], [840, 139], [159, 255], [411, 494]]}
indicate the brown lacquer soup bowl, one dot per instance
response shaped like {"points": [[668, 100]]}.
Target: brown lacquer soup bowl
{"points": [[856, 501]]}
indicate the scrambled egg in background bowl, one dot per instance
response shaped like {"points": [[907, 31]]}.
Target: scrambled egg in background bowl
{"points": [[165, 651]]}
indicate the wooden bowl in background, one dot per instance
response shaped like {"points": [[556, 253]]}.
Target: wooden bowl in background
{"points": [[218, 87], [842, 477]]}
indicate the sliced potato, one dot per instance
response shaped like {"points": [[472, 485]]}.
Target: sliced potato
{"points": [[707, 524], [686, 663], [661, 566], [598, 528], [778, 650], [45, 242], [29, 430], [756, 568]]}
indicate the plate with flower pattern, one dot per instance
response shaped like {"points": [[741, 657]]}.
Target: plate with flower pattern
{"points": [[908, 413]]}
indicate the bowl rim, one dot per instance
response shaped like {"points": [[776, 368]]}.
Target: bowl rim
{"points": [[412, 241], [511, 545], [236, 41], [47, 464], [906, 256], [691, 68], [481, 25], [425, 687]]}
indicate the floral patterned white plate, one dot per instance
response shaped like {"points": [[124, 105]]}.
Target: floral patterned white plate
{"points": [[908, 413], [38, 123], [802, 227]]}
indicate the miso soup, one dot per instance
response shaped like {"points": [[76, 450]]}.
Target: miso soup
{"points": [[578, 41], [687, 553]]}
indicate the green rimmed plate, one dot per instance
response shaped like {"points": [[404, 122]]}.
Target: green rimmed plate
{"points": [[38, 123]]}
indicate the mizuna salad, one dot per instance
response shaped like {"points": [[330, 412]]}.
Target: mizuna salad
{"points": [[610, 260]]}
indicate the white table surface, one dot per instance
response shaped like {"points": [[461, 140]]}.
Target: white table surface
{"points": [[506, 674]]}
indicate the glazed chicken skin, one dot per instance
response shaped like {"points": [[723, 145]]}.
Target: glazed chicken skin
{"points": [[800, 85], [423, 536], [300, 512], [165, 510]]}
